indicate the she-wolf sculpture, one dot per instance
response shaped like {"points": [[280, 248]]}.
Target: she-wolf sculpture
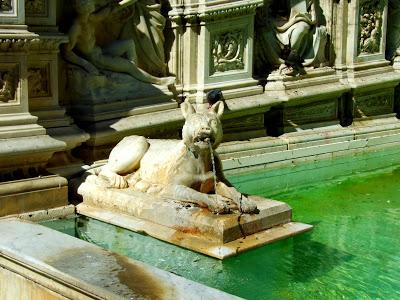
{"points": [[178, 169]]}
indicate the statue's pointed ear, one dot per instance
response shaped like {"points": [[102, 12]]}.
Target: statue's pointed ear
{"points": [[187, 109], [218, 108]]}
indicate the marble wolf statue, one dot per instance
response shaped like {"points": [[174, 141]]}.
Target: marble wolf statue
{"points": [[186, 170]]}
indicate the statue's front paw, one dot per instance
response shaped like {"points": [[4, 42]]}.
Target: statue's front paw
{"points": [[218, 206], [119, 182], [247, 206], [114, 181]]}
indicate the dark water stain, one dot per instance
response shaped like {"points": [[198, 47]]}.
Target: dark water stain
{"points": [[139, 280], [113, 272]]}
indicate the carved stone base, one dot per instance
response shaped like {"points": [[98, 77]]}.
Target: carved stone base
{"points": [[189, 226], [110, 95], [85, 88]]}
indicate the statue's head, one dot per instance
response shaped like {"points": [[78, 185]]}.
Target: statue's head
{"points": [[201, 129], [84, 6]]}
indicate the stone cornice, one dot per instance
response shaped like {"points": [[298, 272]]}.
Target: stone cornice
{"points": [[213, 12], [224, 12], [31, 42]]}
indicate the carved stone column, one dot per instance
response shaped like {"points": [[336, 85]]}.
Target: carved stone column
{"points": [[25, 147], [213, 47]]}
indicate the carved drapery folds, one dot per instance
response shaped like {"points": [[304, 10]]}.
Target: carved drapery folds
{"points": [[290, 35], [145, 27], [371, 12]]}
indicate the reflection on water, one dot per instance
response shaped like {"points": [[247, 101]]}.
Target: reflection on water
{"points": [[352, 253]]}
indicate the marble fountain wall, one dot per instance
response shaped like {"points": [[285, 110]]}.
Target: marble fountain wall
{"points": [[336, 94]]}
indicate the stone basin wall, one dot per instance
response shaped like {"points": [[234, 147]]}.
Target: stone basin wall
{"points": [[300, 79]]}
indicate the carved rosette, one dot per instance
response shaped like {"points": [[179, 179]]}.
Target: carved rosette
{"points": [[9, 79], [227, 51], [36, 8], [370, 28]]}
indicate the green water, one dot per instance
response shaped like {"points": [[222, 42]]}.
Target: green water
{"points": [[352, 253]]}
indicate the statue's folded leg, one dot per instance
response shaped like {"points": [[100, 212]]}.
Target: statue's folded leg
{"points": [[122, 65], [122, 47]]}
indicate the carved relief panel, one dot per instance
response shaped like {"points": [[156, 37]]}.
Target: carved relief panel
{"points": [[40, 12], [371, 25], [42, 81], [39, 81], [228, 48], [227, 51], [366, 35], [36, 8], [380, 103], [9, 79], [6, 6], [12, 12]]}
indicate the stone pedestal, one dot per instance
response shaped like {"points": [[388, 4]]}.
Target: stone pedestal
{"points": [[186, 225], [213, 48]]}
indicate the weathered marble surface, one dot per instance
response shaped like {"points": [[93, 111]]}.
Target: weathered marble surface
{"points": [[76, 269]]}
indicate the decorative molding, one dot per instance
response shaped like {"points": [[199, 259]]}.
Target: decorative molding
{"points": [[37, 43], [229, 12], [216, 13], [36, 8], [227, 51]]}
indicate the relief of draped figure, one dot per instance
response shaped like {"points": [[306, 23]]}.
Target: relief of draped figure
{"points": [[145, 25], [290, 35], [124, 36], [149, 36]]}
